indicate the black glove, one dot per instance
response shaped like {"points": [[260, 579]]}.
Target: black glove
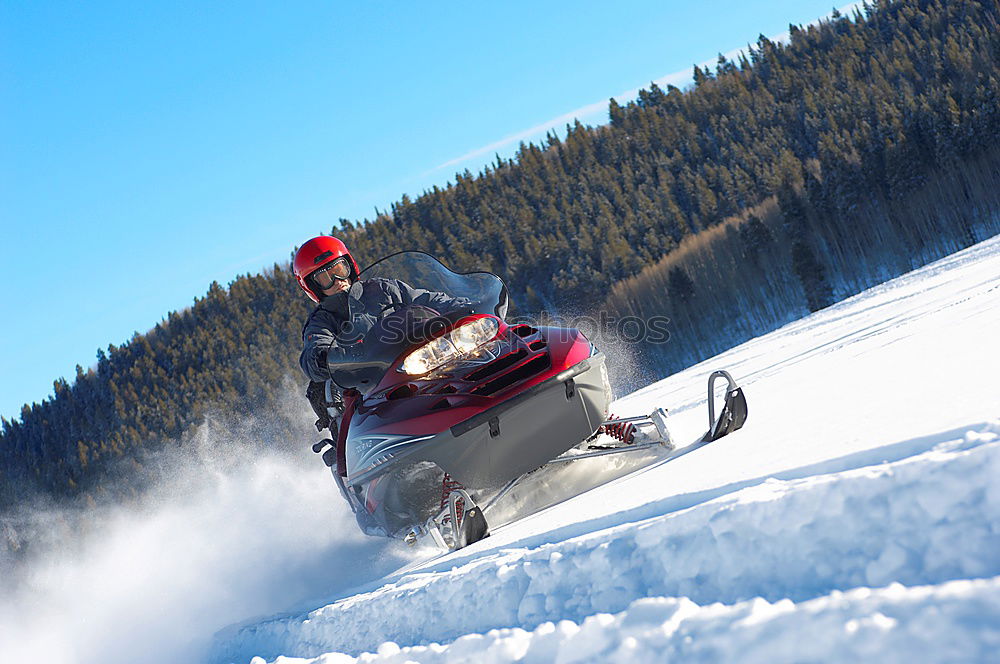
{"points": [[332, 422]]}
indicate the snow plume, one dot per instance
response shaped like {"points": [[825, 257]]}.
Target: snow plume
{"points": [[232, 529], [628, 368]]}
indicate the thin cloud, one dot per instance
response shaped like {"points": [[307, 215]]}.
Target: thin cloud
{"points": [[527, 133], [677, 79]]}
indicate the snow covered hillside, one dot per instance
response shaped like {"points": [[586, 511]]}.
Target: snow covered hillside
{"points": [[856, 514]]}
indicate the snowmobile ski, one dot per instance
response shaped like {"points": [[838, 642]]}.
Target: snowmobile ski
{"points": [[734, 408]]}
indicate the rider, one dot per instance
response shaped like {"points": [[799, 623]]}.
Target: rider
{"points": [[346, 309]]}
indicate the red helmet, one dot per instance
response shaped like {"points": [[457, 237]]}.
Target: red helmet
{"points": [[313, 255]]}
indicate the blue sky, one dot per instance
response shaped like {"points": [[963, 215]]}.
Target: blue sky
{"points": [[147, 149]]}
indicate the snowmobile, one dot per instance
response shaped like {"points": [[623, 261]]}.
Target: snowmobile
{"points": [[446, 411]]}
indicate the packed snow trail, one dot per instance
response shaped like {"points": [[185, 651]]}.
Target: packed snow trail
{"points": [[858, 502]]}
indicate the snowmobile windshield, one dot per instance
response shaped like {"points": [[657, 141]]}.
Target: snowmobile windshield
{"points": [[433, 299]]}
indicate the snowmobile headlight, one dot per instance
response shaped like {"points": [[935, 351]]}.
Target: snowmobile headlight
{"points": [[474, 334], [449, 347]]}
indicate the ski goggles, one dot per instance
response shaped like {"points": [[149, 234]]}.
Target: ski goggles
{"points": [[338, 270]]}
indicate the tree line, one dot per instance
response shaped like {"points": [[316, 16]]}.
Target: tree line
{"points": [[778, 183]]}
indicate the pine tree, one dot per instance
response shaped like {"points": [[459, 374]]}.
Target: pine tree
{"points": [[812, 276], [680, 285]]}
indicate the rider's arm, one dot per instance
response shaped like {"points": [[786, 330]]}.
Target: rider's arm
{"points": [[440, 302], [317, 338], [320, 347]]}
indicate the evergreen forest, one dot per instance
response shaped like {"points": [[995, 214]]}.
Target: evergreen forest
{"points": [[778, 184]]}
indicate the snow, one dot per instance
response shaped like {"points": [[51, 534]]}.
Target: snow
{"points": [[856, 515], [777, 540], [894, 624]]}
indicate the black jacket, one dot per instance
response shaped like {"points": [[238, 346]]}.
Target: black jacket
{"points": [[352, 313]]}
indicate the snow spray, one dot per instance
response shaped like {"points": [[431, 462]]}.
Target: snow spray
{"points": [[233, 528]]}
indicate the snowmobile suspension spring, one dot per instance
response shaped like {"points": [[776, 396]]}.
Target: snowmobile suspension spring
{"points": [[447, 486], [623, 431]]}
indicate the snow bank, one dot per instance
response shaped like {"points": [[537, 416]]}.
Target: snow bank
{"points": [[954, 621], [927, 519]]}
